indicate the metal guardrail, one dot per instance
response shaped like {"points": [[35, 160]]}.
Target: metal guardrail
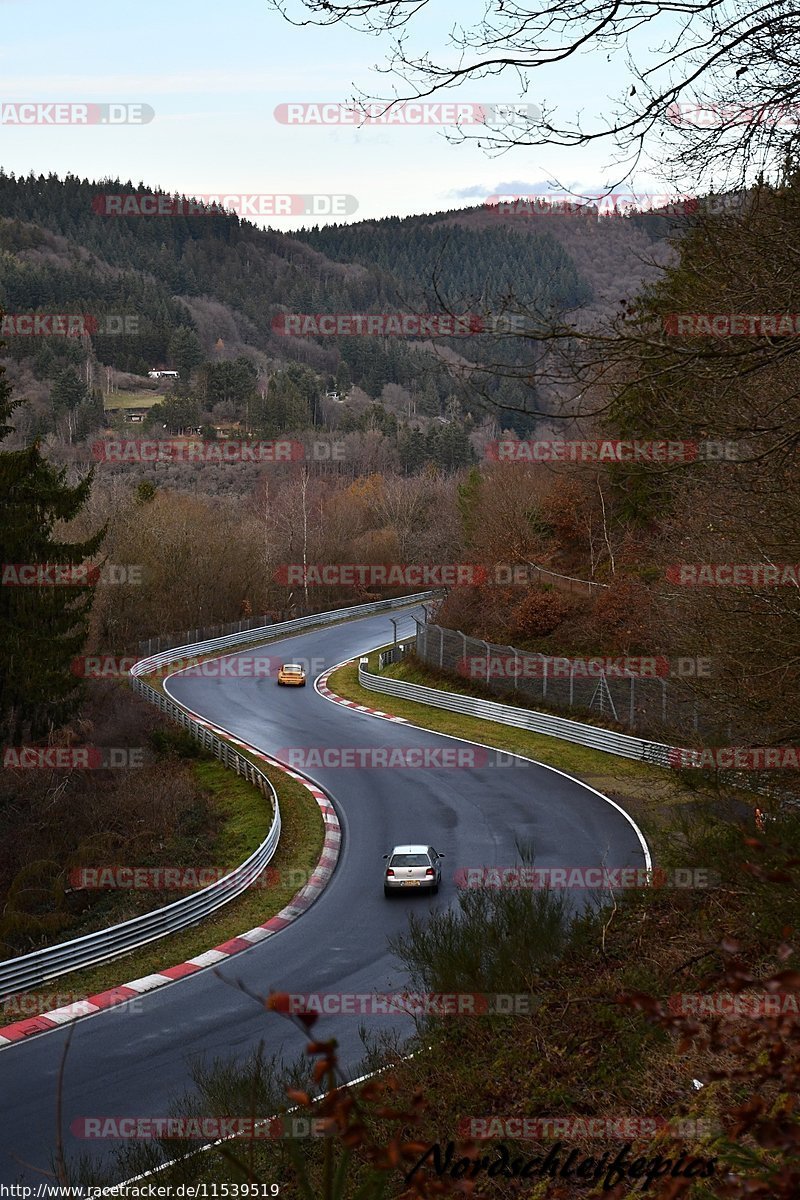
{"points": [[247, 625], [146, 665], [505, 714], [30, 970], [394, 654], [596, 738]]}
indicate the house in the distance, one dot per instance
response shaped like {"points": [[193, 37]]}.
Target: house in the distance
{"points": [[133, 407], [163, 374]]}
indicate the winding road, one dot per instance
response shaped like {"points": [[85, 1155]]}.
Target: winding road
{"points": [[132, 1060]]}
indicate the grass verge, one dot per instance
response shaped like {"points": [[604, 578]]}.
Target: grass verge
{"points": [[593, 1048], [299, 849], [583, 1052], [656, 799]]}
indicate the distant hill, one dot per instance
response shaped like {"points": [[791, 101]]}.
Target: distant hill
{"points": [[230, 280]]}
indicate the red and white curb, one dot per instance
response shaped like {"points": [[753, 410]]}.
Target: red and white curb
{"points": [[321, 686], [9, 1034]]}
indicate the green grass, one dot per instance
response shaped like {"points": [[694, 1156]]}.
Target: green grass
{"points": [[244, 827], [245, 824], [125, 400], [247, 819], [581, 1053], [653, 797]]}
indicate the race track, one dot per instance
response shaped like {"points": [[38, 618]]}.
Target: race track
{"points": [[129, 1063]]}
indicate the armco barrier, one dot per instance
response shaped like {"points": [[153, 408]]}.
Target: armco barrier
{"points": [[505, 714], [593, 736], [249, 627], [30, 970], [146, 665]]}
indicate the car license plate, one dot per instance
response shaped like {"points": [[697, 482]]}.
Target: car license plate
{"points": [[411, 882]]}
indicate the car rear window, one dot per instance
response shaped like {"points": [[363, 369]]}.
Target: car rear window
{"points": [[410, 860], [291, 667]]}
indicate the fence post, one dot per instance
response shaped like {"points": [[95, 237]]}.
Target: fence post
{"points": [[516, 668], [488, 658], [467, 673], [544, 680], [441, 648], [571, 684], [631, 720]]}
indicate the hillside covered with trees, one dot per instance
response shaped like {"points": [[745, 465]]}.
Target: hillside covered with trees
{"points": [[204, 294]]}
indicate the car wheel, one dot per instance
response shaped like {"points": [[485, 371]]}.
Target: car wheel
{"points": [[434, 888], [387, 891]]}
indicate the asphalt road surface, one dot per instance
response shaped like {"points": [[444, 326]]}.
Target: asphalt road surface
{"points": [[134, 1059]]}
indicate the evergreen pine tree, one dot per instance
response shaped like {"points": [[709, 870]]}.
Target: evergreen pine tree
{"points": [[42, 628]]}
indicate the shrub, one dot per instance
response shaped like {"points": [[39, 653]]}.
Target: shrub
{"points": [[540, 613]]}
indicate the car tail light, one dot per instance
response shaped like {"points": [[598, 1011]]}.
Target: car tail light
{"points": [[430, 871], [389, 871]]}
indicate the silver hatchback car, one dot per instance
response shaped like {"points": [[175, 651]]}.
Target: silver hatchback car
{"points": [[412, 867]]}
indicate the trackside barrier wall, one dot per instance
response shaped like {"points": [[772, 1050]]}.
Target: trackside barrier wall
{"points": [[488, 710], [657, 753], [30, 970]]}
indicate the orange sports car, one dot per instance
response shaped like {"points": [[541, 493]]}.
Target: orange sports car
{"points": [[292, 674]]}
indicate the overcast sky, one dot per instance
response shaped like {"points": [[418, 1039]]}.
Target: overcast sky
{"points": [[214, 74]]}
